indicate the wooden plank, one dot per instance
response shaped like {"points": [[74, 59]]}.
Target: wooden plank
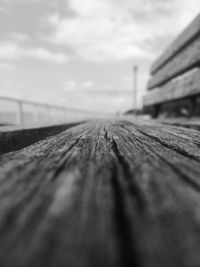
{"points": [[180, 42], [193, 123], [184, 61], [187, 85], [13, 138], [104, 193]]}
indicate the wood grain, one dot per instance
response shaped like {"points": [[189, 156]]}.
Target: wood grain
{"points": [[105, 193], [182, 122]]}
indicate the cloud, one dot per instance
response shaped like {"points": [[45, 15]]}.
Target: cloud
{"points": [[87, 84], [11, 50], [43, 54], [7, 66], [99, 32], [3, 10], [18, 37], [70, 86], [25, 1], [120, 29]]}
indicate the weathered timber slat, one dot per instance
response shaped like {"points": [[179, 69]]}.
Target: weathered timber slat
{"points": [[191, 32], [104, 193], [175, 89], [186, 123], [187, 59]]}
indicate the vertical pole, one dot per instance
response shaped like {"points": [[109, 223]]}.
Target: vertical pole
{"points": [[135, 71], [48, 114], [21, 119]]}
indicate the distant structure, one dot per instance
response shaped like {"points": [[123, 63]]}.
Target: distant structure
{"points": [[175, 75]]}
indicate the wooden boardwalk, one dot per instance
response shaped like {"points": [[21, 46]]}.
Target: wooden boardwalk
{"points": [[103, 194]]}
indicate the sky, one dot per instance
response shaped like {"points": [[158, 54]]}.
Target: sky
{"points": [[81, 53]]}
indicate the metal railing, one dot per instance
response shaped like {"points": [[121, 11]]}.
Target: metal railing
{"points": [[50, 114]]}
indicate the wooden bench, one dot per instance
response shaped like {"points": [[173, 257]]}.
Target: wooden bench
{"points": [[176, 73], [112, 193]]}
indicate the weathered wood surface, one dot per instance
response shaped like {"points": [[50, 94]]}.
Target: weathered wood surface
{"points": [[104, 193], [188, 85], [187, 59], [189, 34], [13, 138], [193, 123]]}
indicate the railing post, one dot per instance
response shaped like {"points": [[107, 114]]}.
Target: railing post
{"points": [[65, 114]]}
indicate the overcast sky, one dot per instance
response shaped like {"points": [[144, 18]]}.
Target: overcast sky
{"points": [[80, 53]]}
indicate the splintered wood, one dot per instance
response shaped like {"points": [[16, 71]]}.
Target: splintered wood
{"points": [[104, 193]]}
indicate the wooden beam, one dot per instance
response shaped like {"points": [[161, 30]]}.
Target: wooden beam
{"points": [[191, 32], [103, 194], [184, 61]]}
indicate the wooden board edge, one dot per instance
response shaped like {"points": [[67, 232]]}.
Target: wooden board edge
{"points": [[15, 138]]}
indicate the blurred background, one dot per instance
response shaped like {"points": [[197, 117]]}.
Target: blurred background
{"points": [[74, 59]]}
